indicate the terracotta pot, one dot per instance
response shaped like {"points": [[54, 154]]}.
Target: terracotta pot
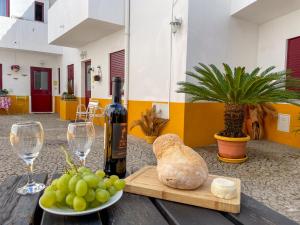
{"points": [[150, 139], [232, 148]]}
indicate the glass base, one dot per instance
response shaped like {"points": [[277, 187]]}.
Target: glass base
{"points": [[31, 188]]}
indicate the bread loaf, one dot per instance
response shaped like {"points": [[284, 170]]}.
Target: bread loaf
{"points": [[178, 166]]}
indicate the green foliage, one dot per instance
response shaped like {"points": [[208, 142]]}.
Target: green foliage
{"points": [[236, 86], [3, 92]]}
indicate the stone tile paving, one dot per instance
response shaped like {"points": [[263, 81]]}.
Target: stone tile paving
{"points": [[271, 175]]}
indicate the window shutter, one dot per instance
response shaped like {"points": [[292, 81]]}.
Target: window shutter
{"points": [[71, 79], [293, 56], [117, 66]]}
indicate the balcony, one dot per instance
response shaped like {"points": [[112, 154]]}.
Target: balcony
{"points": [[261, 11], [22, 34], [75, 25]]}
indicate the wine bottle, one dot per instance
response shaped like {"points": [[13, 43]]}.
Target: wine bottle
{"points": [[115, 133]]}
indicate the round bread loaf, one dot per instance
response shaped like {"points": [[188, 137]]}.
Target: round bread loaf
{"points": [[178, 166]]}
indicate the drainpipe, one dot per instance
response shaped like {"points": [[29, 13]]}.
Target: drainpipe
{"points": [[127, 49], [171, 61]]}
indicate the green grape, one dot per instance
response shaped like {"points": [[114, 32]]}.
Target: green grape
{"points": [[90, 195], [79, 203], [112, 190], [48, 199], [83, 169], [69, 199], [73, 181], [100, 173], [107, 182], [81, 188], [72, 172], [92, 180], [113, 178], [119, 184], [86, 174], [54, 182], [102, 195], [95, 204], [50, 188], [60, 196], [101, 185], [63, 181]]}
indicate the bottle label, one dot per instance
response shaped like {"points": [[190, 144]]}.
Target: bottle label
{"points": [[119, 140]]}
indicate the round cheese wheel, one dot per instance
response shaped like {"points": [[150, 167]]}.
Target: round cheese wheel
{"points": [[223, 188]]}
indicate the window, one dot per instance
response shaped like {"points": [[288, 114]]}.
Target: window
{"points": [[117, 66], [1, 84], [39, 11], [4, 7], [71, 79], [293, 56]]}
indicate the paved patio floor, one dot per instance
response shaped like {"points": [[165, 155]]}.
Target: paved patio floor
{"points": [[271, 175]]}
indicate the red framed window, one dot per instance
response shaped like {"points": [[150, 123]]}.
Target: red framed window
{"points": [[117, 66], [293, 56], [58, 74], [4, 8], [1, 82], [39, 11]]}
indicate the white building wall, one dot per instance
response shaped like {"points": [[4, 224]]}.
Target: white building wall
{"points": [[273, 36], [25, 9], [70, 56], [150, 50], [20, 31], [21, 85], [98, 52], [214, 37]]}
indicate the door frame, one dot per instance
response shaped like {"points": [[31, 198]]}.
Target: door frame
{"points": [[85, 82], [49, 70]]}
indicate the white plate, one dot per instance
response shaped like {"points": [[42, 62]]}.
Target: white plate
{"points": [[70, 212]]}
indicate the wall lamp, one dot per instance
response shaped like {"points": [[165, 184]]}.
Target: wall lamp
{"points": [[175, 24]]}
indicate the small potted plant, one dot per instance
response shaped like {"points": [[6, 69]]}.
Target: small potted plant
{"points": [[68, 97], [150, 124], [3, 92], [237, 88], [15, 68]]}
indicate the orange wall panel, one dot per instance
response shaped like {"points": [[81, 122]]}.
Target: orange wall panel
{"points": [[19, 105], [202, 121], [289, 138]]}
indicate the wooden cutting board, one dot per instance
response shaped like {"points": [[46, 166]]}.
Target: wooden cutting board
{"points": [[145, 182]]}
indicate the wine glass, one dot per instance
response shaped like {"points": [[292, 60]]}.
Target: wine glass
{"points": [[80, 138], [27, 140]]}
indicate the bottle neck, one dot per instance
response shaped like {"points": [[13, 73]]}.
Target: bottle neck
{"points": [[116, 92]]}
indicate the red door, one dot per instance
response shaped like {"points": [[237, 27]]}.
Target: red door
{"points": [[41, 89], [71, 79], [87, 82]]}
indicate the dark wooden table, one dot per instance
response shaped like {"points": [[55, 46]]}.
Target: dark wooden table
{"points": [[131, 209]]}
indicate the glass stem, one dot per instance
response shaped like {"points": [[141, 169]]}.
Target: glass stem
{"points": [[82, 161], [30, 173]]}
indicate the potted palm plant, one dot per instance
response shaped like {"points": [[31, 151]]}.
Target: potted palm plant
{"points": [[150, 124], [237, 88]]}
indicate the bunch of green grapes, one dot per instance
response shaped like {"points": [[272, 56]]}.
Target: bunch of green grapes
{"points": [[81, 189]]}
